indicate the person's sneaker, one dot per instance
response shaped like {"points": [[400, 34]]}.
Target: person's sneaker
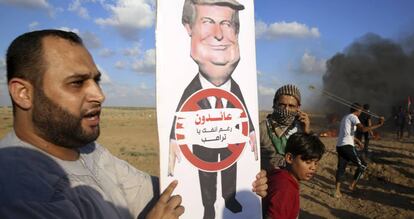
{"points": [[233, 205]]}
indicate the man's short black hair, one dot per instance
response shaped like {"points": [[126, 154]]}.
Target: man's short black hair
{"points": [[308, 146], [355, 107], [24, 58]]}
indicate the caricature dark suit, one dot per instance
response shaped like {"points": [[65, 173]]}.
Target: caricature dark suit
{"points": [[208, 180]]}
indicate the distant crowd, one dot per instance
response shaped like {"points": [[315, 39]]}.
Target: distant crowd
{"points": [[404, 122]]}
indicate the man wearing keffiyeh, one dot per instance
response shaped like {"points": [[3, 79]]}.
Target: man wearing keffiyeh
{"points": [[286, 119]]}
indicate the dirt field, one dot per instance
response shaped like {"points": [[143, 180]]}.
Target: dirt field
{"points": [[385, 191]]}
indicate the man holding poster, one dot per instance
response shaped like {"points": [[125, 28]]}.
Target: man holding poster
{"points": [[211, 115]]}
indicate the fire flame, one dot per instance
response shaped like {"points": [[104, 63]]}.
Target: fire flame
{"points": [[329, 133]]}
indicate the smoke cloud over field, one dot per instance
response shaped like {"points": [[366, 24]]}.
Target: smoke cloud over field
{"points": [[372, 70]]}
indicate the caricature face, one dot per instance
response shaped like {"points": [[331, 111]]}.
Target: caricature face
{"points": [[214, 42], [66, 108]]}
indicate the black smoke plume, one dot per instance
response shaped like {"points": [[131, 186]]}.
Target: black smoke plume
{"points": [[372, 70]]}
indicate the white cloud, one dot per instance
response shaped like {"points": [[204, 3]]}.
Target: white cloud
{"points": [[105, 52], [34, 4], [3, 77], [4, 92], [146, 64], [2, 63], [129, 95], [260, 28], [105, 79], [143, 86], [121, 64], [266, 90], [91, 40], [75, 30], [59, 9], [33, 25], [4, 96], [135, 50], [76, 6], [129, 16], [285, 30], [310, 64], [266, 93]]}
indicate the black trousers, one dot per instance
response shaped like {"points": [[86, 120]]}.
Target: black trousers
{"points": [[347, 153], [208, 180]]}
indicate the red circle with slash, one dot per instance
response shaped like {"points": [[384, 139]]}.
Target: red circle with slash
{"points": [[191, 104]]}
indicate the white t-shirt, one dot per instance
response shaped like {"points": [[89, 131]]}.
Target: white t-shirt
{"points": [[347, 130]]}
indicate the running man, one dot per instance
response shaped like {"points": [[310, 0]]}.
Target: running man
{"points": [[346, 146]]}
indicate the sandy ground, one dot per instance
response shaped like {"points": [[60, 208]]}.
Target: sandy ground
{"points": [[385, 191]]}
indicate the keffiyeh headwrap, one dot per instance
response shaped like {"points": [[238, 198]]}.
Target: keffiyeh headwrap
{"points": [[284, 117], [289, 90]]}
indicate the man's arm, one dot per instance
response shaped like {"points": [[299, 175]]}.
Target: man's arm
{"points": [[38, 210], [370, 124], [168, 205], [141, 193], [358, 143], [305, 121], [362, 128]]}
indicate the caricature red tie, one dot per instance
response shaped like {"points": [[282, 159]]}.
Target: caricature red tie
{"points": [[219, 104]]}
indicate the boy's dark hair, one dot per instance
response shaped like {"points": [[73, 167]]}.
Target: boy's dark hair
{"points": [[355, 107], [307, 145]]}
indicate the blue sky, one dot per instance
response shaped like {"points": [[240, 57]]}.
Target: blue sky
{"points": [[293, 39]]}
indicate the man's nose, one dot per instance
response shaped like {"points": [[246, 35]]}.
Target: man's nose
{"points": [[94, 93], [218, 32]]}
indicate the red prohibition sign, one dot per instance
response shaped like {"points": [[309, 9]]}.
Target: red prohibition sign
{"points": [[236, 149]]}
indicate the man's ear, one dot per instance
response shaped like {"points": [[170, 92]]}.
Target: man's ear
{"points": [[188, 28], [21, 92], [289, 158]]}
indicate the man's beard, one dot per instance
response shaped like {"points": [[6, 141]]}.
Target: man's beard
{"points": [[57, 125]]}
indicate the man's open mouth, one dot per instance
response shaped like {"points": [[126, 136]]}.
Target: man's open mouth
{"points": [[93, 114]]}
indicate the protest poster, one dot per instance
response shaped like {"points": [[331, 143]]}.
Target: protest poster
{"points": [[207, 108]]}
